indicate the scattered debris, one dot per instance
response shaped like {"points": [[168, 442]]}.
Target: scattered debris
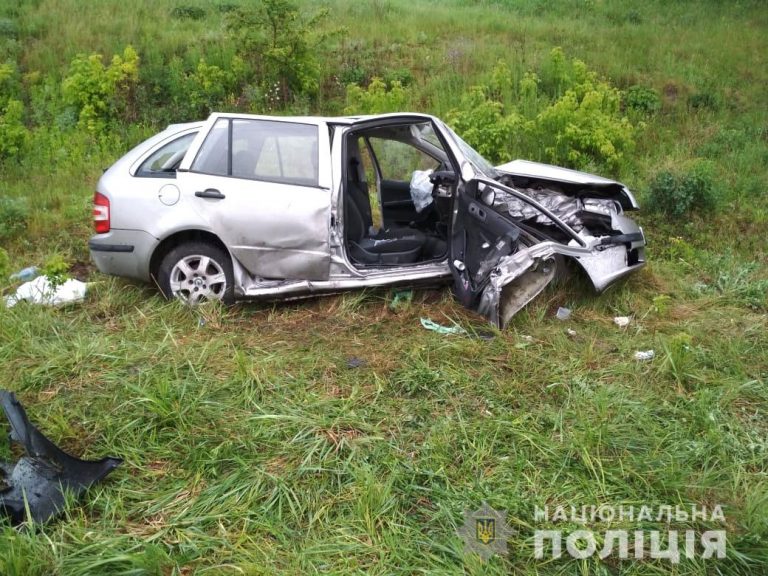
{"points": [[401, 299], [25, 275], [570, 332], [644, 355], [35, 486], [42, 291], [563, 313], [526, 341], [355, 362], [440, 329], [621, 321]]}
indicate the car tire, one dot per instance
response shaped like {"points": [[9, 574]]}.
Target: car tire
{"points": [[195, 272]]}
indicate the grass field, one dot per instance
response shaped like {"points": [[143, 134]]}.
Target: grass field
{"points": [[250, 445]]}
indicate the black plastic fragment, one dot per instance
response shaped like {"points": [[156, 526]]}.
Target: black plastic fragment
{"points": [[45, 473]]}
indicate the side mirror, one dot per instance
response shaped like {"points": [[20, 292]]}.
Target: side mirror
{"points": [[487, 195]]}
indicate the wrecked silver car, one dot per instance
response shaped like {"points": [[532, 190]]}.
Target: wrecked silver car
{"points": [[244, 207]]}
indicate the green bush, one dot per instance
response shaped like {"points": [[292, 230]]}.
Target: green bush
{"points": [[642, 99], [566, 116], [584, 128], [559, 74], [56, 268], [705, 99], [101, 93], [376, 99], [14, 215], [281, 46], [210, 87], [188, 12], [353, 74], [677, 194], [10, 85], [13, 133], [485, 127]]}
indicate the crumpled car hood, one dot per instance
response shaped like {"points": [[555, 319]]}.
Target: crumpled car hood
{"points": [[549, 172]]}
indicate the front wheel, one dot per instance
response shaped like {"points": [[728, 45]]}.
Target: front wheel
{"points": [[197, 272]]}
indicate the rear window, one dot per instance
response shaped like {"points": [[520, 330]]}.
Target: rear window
{"points": [[283, 152], [162, 163]]}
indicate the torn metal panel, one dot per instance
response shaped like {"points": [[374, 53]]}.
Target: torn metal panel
{"points": [[547, 173], [40, 479], [567, 208]]}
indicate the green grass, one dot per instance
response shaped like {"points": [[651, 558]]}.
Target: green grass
{"points": [[249, 444]]}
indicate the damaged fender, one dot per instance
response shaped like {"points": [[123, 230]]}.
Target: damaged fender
{"points": [[41, 478], [522, 276]]}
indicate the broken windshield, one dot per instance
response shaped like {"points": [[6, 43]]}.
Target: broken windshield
{"points": [[479, 163]]}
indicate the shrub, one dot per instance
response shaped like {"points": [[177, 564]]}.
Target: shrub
{"points": [[352, 75], [568, 116], [56, 268], [210, 86], [281, 46], [558, 74], [704, 99], [375, 99], [402, 75], [188, 12], [584, 127], [677, 194], [14, 215], [10, 85], [642, 99], [101, 93], [485, 127], [13, 133]]}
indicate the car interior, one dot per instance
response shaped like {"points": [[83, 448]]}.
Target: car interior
{"points": [[383, 226]]}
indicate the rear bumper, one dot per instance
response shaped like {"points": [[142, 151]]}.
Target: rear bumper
{"points": [[123, 253]]}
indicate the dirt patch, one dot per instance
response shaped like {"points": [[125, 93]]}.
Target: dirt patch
{"points": [[81, 270]]}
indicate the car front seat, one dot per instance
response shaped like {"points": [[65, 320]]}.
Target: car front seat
{"points": [[367, 246]]}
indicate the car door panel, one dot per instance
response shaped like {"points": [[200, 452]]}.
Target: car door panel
{"points": [[260, 195], [274, 230], [480, 238], [396, 203]]}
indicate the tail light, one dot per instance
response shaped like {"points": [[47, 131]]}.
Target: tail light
{"points": [[100, 213]]}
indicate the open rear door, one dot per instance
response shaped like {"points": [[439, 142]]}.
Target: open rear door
{"points": [[495, 271]]}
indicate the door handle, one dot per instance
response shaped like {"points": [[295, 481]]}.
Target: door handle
{"points": [[477, 212], [210, 193]]}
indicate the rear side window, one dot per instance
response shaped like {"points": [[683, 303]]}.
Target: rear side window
{"points": [[283, 152], [213, 157], [162, 163]]}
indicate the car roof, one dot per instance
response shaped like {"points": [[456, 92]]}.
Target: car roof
{"points": [[341, 120]]}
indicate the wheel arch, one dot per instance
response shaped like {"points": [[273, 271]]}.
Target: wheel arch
{"points": [[178, 238]]}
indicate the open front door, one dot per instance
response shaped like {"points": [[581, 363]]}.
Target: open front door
{"points": [[494, 272]]}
